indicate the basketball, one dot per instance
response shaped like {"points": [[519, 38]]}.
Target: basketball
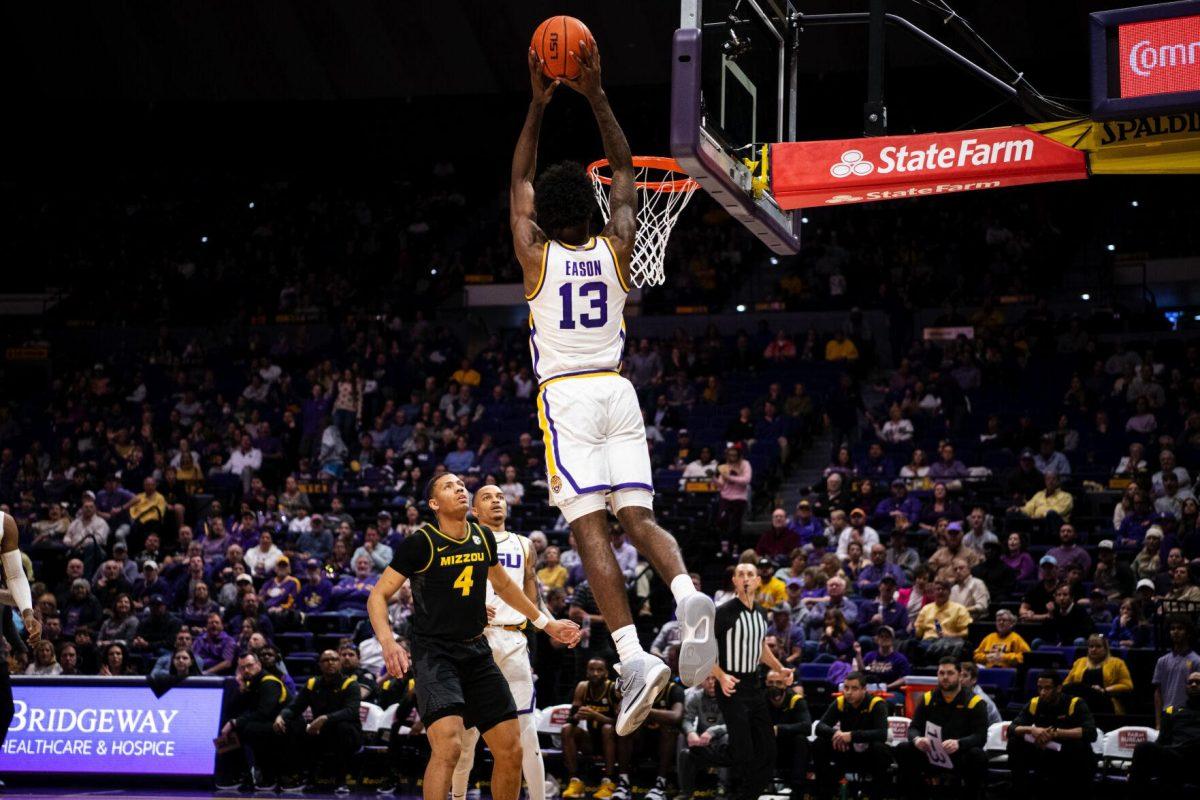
{"points": [[555, 39]]}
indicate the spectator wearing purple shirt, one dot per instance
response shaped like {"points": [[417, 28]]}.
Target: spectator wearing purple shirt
{"points": [[216, 648], [901, 502], [245, 530], [215, 540], [351, 592], [279, 593], [947, 467], [870, 576], [885, 665], [1068, 554], [316, 589], [804, 524]]}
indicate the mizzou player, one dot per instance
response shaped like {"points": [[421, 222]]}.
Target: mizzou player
{"points": [[576, 284], [506, 636], [458, 684], [595, 702]]}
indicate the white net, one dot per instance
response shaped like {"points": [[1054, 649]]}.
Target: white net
{"points": [[663, 192]]}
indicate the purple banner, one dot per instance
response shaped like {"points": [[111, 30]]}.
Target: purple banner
{"points": [[115, 726]]}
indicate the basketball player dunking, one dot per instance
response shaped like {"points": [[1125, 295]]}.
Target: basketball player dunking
{"points": [[576, 285], [505, 634], [458, 684]]}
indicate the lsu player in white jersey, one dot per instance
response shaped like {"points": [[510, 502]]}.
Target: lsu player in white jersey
{"points": [[596, 457], [505, 633]]}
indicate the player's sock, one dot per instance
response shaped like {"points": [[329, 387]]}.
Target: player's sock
{"points": [[628, 646], [682, 587], [532, 765]]}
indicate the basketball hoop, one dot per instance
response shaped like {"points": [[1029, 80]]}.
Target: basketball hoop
{"points": [[663, 190]]}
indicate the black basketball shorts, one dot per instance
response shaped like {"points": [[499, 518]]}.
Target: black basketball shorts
{"points": [[460, 679]]}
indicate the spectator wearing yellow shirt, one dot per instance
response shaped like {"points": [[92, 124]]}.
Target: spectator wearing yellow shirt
{"points": [[839, 348], [942, 625], [772, 591], [466, 375], [1004, 647], [553, 575], [1052, 504], [147, 511]]}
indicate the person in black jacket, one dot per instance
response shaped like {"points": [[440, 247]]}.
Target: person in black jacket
{"points": [[852, 737], [406, 754], [1050, 743], [962, 718], [793, 721], [1069, 622], [260, 698], [333, 699], [1174, 755]]}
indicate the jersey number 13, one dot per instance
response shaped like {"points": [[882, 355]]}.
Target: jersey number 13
{"points": [[595, 293]]}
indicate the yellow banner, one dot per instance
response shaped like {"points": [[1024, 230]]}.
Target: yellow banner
{"points": [[1165, 144]]}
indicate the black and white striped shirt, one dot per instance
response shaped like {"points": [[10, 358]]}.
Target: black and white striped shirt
{"points": [[740, 634]]}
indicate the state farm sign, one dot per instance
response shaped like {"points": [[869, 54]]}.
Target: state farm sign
{"points": [[886, 168], [1159, 57]]}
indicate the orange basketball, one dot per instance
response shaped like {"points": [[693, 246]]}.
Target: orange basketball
{"points": [[555, 39]]}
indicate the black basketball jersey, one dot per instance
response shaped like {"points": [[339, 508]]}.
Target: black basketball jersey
{"points": [[449, 580], [605, 703]]}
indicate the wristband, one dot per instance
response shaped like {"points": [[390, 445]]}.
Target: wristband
{"points": [[541, 621]]}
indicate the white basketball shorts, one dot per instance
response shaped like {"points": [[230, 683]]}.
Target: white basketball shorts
{"points": [[510, 649], [594, 436]]}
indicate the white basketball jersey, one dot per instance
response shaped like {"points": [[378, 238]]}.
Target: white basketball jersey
{"points": [[511, 551], [577, 311]]}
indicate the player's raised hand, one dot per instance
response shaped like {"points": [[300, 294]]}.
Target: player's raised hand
{"points": [[396, 659], [543, 85], [588, 82], [564, 631]]}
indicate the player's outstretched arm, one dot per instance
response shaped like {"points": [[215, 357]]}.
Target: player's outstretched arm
{"points": [[393, 654], [528, 238], [17, 580], [563, 630], [622, 197]]}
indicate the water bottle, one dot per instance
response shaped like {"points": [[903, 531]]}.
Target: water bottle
{"points": [[585, 632], [937, 626]]}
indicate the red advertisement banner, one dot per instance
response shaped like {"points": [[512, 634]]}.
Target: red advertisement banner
{"points": [[1159, 57], [844, 171]]}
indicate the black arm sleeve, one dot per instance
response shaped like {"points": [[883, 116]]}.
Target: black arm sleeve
{"points": [[348, 712], [1084, 719], [414, 554], [1024, 716], [828, 721], [978, 726], [877, 733], [916, 728], [296, 708]]}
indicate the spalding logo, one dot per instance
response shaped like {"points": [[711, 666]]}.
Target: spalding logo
{"points": [[555, 484]]}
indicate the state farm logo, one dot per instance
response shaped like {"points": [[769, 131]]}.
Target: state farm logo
{"points": [[1144, 57], [852, 163], [968, 152]]}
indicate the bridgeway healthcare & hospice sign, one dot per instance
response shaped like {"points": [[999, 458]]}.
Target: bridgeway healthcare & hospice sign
{"points": [[112, 726]]}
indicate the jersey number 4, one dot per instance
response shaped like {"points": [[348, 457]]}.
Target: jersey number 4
{"points": [[595, 293], [464, 581]]}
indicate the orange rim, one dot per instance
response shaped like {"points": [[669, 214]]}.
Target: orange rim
{"points": [[684, 184]]}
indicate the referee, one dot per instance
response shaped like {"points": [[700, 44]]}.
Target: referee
{"points": [[741, 641]]}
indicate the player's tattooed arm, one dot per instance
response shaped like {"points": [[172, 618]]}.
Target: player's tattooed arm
{"points": [[528, 238]]}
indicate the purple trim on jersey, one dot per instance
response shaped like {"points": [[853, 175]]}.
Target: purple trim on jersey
{"points": [[633, 485], [612, 372], [533, 344], [557, 458], [532, 703]]}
